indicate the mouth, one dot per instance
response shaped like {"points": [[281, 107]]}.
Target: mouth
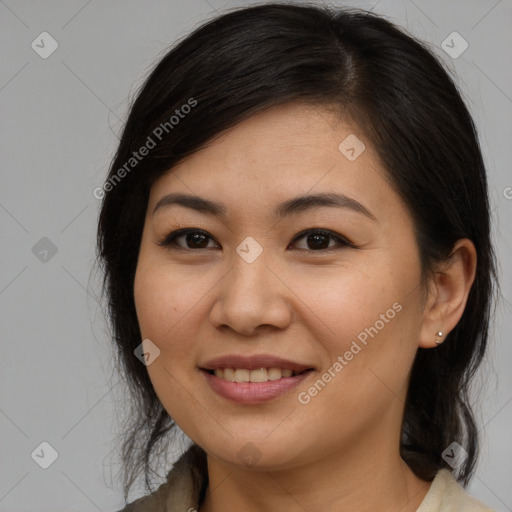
{"points": [[254, 379], [256, 375]]}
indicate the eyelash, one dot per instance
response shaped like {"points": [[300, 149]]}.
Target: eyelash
{"points": [[170, 240]]}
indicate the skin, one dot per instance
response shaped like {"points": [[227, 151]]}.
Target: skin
{"points": [[340, 451]]}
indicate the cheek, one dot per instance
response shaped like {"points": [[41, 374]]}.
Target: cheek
{"points": [[162, 304], [155, 301], [164, 307], [369, 318], [344, 302]]}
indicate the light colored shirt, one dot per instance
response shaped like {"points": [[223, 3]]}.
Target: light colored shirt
{"points": [[187, 481]]}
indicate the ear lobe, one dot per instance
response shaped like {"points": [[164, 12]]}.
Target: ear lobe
{"points": [[448, 294]]}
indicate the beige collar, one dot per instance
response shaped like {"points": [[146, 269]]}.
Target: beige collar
{"points": [[187, 482]]}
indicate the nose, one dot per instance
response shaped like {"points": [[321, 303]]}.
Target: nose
{"points": [[249, 297]]}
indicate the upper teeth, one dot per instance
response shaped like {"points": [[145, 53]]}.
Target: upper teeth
{"points": [[260, 375]]}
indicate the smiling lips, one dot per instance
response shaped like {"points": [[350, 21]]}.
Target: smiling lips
{"points": [[259, 375], [253, 379]]}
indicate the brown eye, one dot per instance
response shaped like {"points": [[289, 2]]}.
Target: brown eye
{"points": [[316, 240], [191, 239], [320, 240]]}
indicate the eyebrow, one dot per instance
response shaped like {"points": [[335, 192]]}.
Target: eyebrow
{"points": [[296, 205]]}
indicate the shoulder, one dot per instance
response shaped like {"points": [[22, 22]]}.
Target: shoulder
{"points": [[447, 495], [183, 489]]}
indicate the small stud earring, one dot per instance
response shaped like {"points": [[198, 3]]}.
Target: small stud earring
{"points": [[440, 334]]}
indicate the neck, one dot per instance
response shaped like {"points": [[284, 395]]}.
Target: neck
{"points": [[368, 478]]}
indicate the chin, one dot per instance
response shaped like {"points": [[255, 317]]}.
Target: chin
{"points": [[256, 454]]}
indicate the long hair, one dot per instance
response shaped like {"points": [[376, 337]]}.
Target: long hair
{"points": [[249, 60]]}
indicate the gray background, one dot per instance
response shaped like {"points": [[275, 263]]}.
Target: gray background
{"points": [[60, 121]]}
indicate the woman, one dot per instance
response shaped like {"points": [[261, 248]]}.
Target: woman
{"points": [[295, 239]]}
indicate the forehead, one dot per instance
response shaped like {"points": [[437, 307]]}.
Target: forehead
{"points": [[284, 134], [286, 151]]}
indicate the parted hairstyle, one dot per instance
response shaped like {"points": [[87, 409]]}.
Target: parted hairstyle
{"points": [[403, 100]]}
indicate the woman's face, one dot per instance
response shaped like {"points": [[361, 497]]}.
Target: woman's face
{"points": [[255, 284]]}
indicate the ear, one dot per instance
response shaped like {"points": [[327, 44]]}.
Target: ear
{"points": [[448, 293]]}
